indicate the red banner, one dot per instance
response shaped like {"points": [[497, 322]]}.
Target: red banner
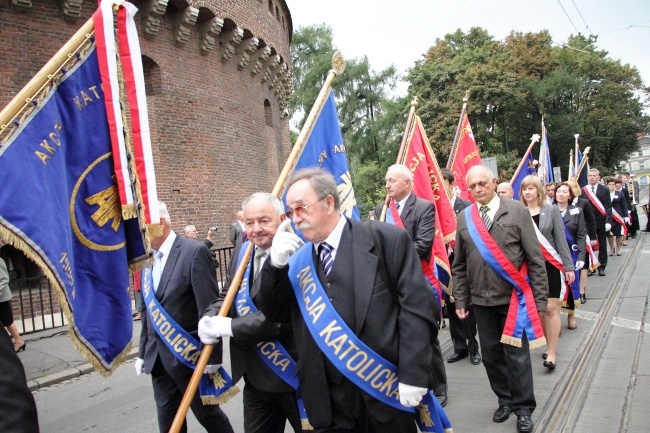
{"points": [[466, 156]]}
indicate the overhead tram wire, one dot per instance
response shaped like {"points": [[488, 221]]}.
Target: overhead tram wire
{"points": [[567, 15], [583, 19], [626, 27]]}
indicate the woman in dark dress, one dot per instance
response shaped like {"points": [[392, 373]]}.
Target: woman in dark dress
{"points": [[590, 220], [576, 234], [619, 206]]}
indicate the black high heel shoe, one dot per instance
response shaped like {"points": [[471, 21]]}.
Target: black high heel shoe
{"points": [[550, 365], [22, 347]]}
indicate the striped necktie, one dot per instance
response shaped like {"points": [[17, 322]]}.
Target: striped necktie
{"points": [[325, 253], [484, 216]]}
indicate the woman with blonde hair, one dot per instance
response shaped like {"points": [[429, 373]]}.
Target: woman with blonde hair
{"points": [[584, 205], [559, 265]]}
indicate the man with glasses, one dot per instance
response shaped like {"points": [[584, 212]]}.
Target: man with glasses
{"points": [[369, 278], [418, 218], [506, 223], [269, 401]]}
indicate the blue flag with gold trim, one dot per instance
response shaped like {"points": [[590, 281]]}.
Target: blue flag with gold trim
{"points": [[325, 149], [59, 204], [527, 169]]}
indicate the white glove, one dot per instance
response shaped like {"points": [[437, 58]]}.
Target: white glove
{"points": [[608, 227], [626, 220], [410, 396], [579, 265], [139, 366], [211, 368], [284, 245], [213, 328]]}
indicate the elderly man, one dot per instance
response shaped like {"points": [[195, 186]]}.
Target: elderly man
{"points": [[184, 283], [601, 204], [237, 230], [418, 218], [355, 287], [504, 189], [507, 224], [269, 399]]}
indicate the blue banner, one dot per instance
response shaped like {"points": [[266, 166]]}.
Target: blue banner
{"points": [[527, 169], [59, 204], [325, 149], [548, 175]]}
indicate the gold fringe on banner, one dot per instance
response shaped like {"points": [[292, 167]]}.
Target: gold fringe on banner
{"points": [[538, 343], [306, 425], [154, 230], [129, 211], [222, 399], [9, 237]]}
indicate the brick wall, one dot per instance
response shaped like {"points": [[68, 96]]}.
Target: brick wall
{"points": [[211, 140]]}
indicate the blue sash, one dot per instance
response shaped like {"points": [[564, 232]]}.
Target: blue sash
{"points": [[274, 355], [575, 287], [352, 357], [216, 388]]}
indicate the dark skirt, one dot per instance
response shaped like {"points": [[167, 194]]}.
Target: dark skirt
{"points": [[6, 316], [554, 281], [617, 229]]}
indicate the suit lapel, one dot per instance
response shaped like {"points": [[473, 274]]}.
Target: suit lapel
{"points": [[364, 270], [174, 253], [408, 207]]}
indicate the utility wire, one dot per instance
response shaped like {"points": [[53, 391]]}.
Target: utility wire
{"points": [[626, 27], [583, 18], [567, 15]]}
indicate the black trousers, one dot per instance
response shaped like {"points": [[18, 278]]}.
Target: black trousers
{"points": [[508, 367], [601, 234], [462, 332], [268, 412], [168, 392], [351, 415], [438, 367]]}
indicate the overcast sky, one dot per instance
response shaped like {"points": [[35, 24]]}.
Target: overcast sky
{"points": [[400, 31]]}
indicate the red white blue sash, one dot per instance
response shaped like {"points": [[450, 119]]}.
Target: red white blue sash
{"points": [[215, 388], [594, 200], [575, 286], [272, 353], [358, 362], [593, 257], [619, 219], [522, 314], [553, 257]]}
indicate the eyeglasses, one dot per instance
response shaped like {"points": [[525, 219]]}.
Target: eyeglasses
{"points": [[302, 211]]}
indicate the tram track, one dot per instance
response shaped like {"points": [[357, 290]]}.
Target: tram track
{"points": [[561, 411]]}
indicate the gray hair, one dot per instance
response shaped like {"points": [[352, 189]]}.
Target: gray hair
{"points": [[402, 170], [164, 213], [187, 228], [594, 170], [321, 181], [270, 198]]}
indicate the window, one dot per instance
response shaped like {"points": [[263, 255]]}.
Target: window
{"points": [[268, 114]]}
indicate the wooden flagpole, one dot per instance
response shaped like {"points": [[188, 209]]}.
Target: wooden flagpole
{"points": [[338, 66], [585, 160], [454, 144], [45, 75], [534, 139], [400, 152]]}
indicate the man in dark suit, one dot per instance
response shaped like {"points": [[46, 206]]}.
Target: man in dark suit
{"points": [[268, 400], [509, 224], [462, 332], [418, 217], [184, 282], [237, 230], [603, 222], [373, 278]]}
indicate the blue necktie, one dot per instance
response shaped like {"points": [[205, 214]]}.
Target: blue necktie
{"points": [[325, 253]]}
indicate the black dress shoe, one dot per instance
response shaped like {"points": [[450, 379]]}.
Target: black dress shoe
{"points": [[549, 364], [583, 298], [442, 399], [601, 272], [590, 273], [524, 424], [457, 357], [475, 358], [502, 413]]}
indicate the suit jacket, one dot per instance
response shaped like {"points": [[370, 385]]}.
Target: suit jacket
{"points": [[513, 231], [419, 218], [574, 221], [235, 234], [401, 333], [619, 203], [251, 329], [187, 286], [590, 219], [460, 204], [602, 193], [17, 407], [550, 224], [628, 195]]}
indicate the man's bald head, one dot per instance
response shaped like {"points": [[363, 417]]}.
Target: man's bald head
{"points": [[481, 183], [504, 189]]}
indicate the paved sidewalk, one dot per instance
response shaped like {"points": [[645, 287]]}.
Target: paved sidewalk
{"points": [[50, 357]]}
